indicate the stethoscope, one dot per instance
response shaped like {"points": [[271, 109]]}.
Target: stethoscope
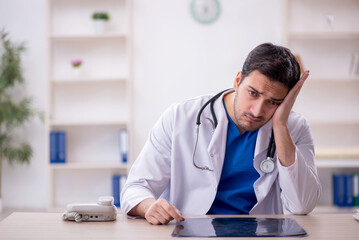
{"points": [[266, 166]]}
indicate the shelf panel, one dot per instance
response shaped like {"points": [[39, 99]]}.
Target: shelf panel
{"points": [[77, 80], [89, 123], [331, 163], [89, 166], [333, 122], [69, 37], [331, 79], [337, 153], [323, 35]]}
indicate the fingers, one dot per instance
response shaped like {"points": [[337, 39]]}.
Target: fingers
{"points": [[296, 89], [161, 212], [304, 76]]}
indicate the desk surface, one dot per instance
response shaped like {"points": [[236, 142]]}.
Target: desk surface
{"points": [[51, 226]]}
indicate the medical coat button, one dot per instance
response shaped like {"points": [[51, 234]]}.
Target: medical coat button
{"points": [[211, 155]]}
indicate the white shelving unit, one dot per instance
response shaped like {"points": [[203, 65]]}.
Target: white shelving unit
{"points": [[325, 34], [91, 106]]}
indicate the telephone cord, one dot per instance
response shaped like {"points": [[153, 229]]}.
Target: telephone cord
{"points": [[72, 216]]}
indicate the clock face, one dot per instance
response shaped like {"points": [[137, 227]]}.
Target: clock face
{"points": [[205, 11]]}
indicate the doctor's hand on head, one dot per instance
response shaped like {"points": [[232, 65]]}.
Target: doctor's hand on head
{"points": [[280, 117], [157, 211]]}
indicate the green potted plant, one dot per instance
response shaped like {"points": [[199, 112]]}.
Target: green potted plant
{"points": [[13, 113], [100, 19]]}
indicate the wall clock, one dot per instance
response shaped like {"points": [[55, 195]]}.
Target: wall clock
{"points": [[205, 11]]}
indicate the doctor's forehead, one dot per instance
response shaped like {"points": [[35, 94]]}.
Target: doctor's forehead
{"points": [[264, 84]]}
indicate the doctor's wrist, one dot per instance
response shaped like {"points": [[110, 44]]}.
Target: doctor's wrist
{"points": [[141, 208]]}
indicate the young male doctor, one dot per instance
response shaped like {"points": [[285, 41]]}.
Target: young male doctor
{"points": [[224, 166]]}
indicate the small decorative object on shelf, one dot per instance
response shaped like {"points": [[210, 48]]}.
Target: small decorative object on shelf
{"points": [[100, 19], [329, 19], [76, 66]]}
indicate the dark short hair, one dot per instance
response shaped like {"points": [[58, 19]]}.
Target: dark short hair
{"points": [[276, 62]]}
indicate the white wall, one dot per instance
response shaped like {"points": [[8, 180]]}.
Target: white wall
{"points": [[25, 21], [174, 58], [177, 57]]}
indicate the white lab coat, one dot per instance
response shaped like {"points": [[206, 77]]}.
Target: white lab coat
{"points": [[164, 168]]}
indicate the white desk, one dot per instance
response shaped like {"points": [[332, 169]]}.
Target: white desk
{"points": [[51, 226]]}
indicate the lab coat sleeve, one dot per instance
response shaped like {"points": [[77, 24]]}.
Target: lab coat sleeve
{"points": [[299, 183], [150, 173]]}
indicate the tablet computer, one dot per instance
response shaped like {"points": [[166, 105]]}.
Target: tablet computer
{"points": [[238, 227]]}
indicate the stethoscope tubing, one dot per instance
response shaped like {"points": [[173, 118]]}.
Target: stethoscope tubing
{"points": [[271, 145]]}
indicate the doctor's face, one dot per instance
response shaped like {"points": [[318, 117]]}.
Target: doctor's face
{"points": [[256, 99]]}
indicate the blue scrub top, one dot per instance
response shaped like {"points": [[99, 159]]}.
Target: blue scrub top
{"points": [[235, 193]]}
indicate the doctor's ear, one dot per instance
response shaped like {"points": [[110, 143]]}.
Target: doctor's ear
{"points": [[237, 81]]}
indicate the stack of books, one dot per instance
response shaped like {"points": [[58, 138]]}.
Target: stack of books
{"points": [[345, 190]]}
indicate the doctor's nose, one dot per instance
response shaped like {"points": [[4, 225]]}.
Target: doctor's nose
{"points": [[258, 109]]}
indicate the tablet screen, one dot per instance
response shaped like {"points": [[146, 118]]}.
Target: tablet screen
{"points": [[238, 227]]}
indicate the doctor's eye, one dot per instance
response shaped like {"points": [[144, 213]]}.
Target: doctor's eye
{"points": [[274, 103], [252, 93]]}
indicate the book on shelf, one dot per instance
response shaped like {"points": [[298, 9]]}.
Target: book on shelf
{"points": [[118, 181], [354, 65], [345, 190], [123, 144], [356, 189], [57, 147]]}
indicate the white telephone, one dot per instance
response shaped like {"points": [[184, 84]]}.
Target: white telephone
{"points": [[103, 211]]}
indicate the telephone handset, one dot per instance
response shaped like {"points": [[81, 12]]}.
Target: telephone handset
{"points": [[102, 211]]}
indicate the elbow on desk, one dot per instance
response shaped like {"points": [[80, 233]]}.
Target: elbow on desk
{"points": [[305, 206], [301, 211]]}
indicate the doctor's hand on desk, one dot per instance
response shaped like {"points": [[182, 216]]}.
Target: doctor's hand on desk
{"points": [[284, 143], [157, 211]]}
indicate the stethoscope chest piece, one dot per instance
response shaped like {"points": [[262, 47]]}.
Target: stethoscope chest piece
{"points": [[267, 165]]}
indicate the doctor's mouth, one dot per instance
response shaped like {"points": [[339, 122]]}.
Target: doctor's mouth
{"points": [[250, 118]]}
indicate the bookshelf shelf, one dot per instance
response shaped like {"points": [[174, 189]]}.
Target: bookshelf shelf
{"points": [[90, 166], [333, 80], [92, 80], [71, 37], [324, 35], [119, 123], [338, 153], [337, 163], [316, 122]]}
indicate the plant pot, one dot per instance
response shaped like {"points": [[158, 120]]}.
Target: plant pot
{"points": [[76, 72], [99, 25]]}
